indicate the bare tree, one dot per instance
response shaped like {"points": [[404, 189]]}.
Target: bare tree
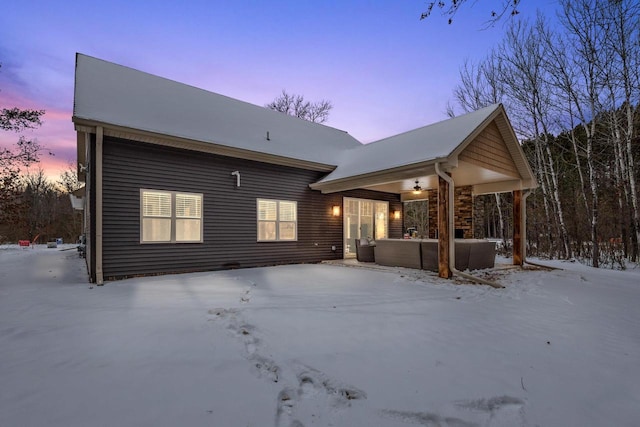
{"points": [[450, 8], [296, 105], [39, 204], [526, 80], [416, 215], [17, 120], [563, 76], [574, 99], [621, 20], [583, 89], [480, 84], [22, 154], [68, 181], [25, 151]]}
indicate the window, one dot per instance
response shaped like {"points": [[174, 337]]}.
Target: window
{"points": [[277, 220], [170, 217]]}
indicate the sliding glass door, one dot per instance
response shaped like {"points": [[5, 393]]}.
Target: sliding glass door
{"points": [[364, 219]]}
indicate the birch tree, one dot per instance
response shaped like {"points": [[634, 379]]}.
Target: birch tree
{"points": [[585, 37], [621, 19], [525, 78]]}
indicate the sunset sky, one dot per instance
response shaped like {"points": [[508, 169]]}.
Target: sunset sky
{"points": [[384, 70]]}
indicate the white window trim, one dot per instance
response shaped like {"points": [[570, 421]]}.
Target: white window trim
{"points": [[173, 217], [277, 221]]}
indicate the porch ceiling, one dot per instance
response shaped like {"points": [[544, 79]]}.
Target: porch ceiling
{"points": [[478, 149], [482, 179]]}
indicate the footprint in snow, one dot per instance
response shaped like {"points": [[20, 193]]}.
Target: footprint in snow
{"points": [[221, 313], [504, 411], [315, 393], [284, 412], [428, 419]]}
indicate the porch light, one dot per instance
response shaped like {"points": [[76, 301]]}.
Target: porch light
{"points": [[396, 214], [417, 189], [336, 210]]}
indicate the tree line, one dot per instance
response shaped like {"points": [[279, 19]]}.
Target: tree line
{"points": [[39, 209], [572, 93]]}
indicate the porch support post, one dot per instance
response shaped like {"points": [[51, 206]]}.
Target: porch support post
{"points": [[443, 228], [518, 226]]}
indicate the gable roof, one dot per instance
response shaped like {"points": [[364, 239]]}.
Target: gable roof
{"points": [[425, 144], [111, 94], [405, 157], [140, 106]]}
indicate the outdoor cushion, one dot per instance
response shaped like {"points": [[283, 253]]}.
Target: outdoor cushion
{"points": [[365, 252]]}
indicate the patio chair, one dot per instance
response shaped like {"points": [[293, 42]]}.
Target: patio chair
{"points": [[365, 250]]}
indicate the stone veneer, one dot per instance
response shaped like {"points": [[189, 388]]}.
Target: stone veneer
{"points": [[463, 207], [433, 213]]}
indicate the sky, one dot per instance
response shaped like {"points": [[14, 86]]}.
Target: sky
{"points": [[384, 70]]}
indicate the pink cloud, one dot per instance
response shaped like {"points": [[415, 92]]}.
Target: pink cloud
{"points": [[56, 134], [11, 99]]}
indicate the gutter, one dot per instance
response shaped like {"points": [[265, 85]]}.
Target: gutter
{"points": [[98, 195], [450, 225]]}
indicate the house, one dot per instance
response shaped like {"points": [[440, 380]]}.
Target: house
{"points": [[179, 179]]}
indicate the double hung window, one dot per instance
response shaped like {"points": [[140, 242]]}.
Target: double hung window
{"points": [[277, 220], [170, 217]]}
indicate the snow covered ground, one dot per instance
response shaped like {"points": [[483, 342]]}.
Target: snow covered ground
{"points": [[315, 345]]}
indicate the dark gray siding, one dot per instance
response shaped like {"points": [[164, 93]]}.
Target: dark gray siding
{"points": [[230, 228]]}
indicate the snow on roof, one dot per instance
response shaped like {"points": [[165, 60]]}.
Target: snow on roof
{"points": [[117, 95], [113, 94], [424, 144]]}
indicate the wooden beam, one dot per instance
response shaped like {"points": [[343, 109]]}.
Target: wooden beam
{"points": [[517, 227], [443, 229]]}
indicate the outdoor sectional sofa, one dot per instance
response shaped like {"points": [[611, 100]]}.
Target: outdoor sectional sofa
{"points": [[470, 254], [365, 250]]}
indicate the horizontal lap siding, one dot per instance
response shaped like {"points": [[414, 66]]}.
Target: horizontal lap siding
{"points": [[489, 150], [229, 228]]}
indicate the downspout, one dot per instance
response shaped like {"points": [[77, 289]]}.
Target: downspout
{"points": [[450, 226], [523, 228], [99, 143]]}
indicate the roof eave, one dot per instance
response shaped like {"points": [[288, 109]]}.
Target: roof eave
{"points": [[116, 131], [381, 177]]}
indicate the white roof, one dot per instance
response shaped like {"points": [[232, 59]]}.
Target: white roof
{"points": [[113, 94], [428, 143]]}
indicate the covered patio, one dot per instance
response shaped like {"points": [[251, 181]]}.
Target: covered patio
{"points": [[449, 163]]}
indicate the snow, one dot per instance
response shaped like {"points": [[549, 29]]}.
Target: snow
{"points": [[316, 345], [109, 93], [119, 96], [435, 141]]}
